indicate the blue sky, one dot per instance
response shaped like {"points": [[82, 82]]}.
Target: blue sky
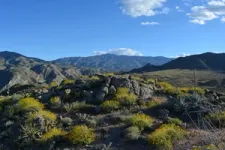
{"points": [[51, 29]]}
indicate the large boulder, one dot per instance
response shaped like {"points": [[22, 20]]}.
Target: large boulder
{"points": [[118, 81], [146, 91]]}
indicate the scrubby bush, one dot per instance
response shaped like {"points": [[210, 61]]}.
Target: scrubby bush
{"points": [[53, 84], [132, 133], [67, 81], [30, 104], [55, 132], [155, 101], [217, 118], [81, 135], [175, 121], [125, 98], [81, 106], [206, 147], [110, 105], [164, 136], [68, 107], [47, 115], [55, 101], [141, 121]]}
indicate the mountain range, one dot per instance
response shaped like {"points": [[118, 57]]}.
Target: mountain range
{"points": [[18, 69], [205, 61], [113, 63]]}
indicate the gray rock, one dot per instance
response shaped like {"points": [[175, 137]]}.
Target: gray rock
{"points": [[146, 92], [105, 89], [118, 81], [87, 96], [112, 90], [136, 87], [100, 97]]}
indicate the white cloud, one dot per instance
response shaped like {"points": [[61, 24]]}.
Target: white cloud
{"points": [[120, 51], [149, 23], [178, 9], [223, 20], [213, 10], [182, 55], [137, 8]]}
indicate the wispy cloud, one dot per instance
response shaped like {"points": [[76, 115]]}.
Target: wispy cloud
{"points": [[137, 8], [212, 10], [120, 51], [149, 23], [222, 19]]}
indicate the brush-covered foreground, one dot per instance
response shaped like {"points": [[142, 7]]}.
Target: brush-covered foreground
{"points": [[106, 112]]}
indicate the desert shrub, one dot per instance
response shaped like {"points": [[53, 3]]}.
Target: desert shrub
{"points": [[81, 135], [141, 121], [68, 107], [53, 84], [132, 133], [29, 133], [206, 147], [81, 106], [193, 103], [47, 115], [109, 74], [164, 136], [155, 101], [94, 78], [55, 101], [125, 97], [150, 81], [110, 105], [30, 104], [217, 118], [67, 81], [91, 122], [175, 121], [54, 132]]}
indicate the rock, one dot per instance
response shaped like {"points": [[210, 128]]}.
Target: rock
{"points": [[118, 81], [108, 80], [136, 87], [100, 97], [112, 90], [146, 92], [105, 89], [87, 96]]}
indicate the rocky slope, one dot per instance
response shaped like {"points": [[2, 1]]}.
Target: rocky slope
{"points": [[22, 70]]}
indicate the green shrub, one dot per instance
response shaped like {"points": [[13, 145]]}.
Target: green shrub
{"points": [[47, 115], [175, 121], [54, 132], [217, 118], [155, 101], [206, 147], [164, 136], [30, 104], [55, 101], [125, 97], [110, 105], [68, 107], [141, 121], [67, 81], [53, 84], [81, 106], [81, 135], [132, 133]]}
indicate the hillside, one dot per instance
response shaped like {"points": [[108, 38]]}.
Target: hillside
{"points": [[110, 62], [18, 69], [206, 61]]}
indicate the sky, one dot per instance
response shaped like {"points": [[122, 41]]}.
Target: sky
{"points": [[51, 29]]}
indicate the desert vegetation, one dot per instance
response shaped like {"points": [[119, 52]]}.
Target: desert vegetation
{"points": [[112, 112]]}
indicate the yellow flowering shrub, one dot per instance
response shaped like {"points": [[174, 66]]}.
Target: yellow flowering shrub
{"points": [[54, 132], [164, 136], [141, 121], [124, 97], [30, 104], [155, 101], [81, 135], [110, 105], [47, 115]]}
